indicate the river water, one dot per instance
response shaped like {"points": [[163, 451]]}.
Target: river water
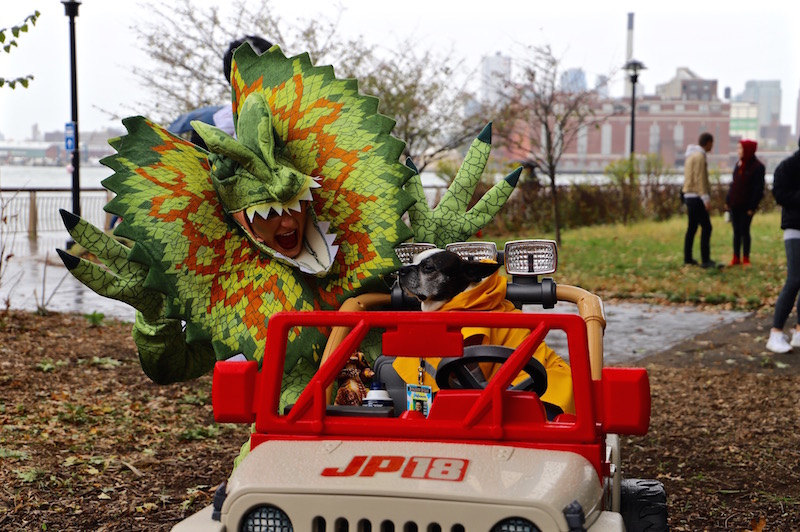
{"points": [[33, 274], [25, 177]]}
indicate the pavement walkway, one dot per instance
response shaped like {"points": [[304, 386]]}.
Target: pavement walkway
{"points": [[633, 331]]}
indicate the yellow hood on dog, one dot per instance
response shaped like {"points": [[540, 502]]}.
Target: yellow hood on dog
{"points": [[490, 295]]}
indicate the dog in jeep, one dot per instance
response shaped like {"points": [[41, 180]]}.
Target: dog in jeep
{"points": [[443, 281]]}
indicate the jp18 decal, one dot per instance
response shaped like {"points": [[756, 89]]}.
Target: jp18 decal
{"points": [[422, 467]]}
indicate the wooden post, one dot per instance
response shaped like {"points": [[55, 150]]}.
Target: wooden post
{"points": [[32, 215], [109, 197]]}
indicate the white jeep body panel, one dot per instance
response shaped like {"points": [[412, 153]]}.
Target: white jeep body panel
{"points": [[471, 485]]}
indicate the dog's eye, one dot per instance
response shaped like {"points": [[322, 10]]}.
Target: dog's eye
{"points": [[427, 268]]}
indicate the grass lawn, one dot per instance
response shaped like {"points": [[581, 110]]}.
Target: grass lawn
{"points": [[645, 261]]}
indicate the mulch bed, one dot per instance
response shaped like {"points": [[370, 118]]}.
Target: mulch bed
{"points": [[87, 442]]}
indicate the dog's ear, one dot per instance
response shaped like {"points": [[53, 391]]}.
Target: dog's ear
{"points": [[475, 270]]}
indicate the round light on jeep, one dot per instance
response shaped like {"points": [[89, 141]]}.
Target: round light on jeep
{"points": [[515, 524], [266, 519]]}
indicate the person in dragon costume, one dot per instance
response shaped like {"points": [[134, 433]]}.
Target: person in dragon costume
{"points": [[200, 272]]}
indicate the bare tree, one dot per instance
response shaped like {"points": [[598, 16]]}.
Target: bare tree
{"points": [[426, 94], [421, 92], [187, 45], [8, 40], [541, 120]]}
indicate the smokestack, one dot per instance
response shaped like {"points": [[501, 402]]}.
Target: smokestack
{"points": [[629, 53]]}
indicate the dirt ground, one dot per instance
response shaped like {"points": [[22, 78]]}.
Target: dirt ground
{"points": [[87, 442]]}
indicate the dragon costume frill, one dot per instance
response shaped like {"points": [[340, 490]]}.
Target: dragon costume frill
{"points": [[203, 285]]}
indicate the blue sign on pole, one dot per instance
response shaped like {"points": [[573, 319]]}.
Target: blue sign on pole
{"points": [[69, 136]]}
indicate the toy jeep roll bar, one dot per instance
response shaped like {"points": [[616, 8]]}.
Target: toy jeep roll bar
{"points": [[527, 260]]}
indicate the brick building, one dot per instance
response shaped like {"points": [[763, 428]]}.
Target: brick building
{"points": [[662, 126]]}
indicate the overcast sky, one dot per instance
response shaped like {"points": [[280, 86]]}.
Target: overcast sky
{"points": [[717, 40]]}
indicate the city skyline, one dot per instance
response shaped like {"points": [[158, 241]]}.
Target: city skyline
{"points": [[715, 40]]}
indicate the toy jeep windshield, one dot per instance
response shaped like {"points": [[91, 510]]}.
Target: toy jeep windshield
{"points": [[484, 456]]}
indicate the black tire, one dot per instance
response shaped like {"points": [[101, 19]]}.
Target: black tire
{"points": [[643, 505]]}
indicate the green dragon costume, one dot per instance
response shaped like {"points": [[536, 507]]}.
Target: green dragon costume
{"points": [[203, 285]]}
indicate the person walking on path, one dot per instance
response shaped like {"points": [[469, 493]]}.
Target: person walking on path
{"points": [[747, 189], [697, 197], [786, 189]]}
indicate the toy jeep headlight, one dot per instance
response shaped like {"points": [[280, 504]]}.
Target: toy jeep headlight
{"points": [[266, 519], [405, 252], [474, 250], [531, 257], [515, 524]]}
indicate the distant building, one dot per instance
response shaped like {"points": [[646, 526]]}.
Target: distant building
{"points": [[797, 118], [573, 80], [601, 86], [767, 95], [744, 121], [663, 127], [51, 150], [686, 85], [776, 136], [495, 76], [30, 152], [94, 144]]}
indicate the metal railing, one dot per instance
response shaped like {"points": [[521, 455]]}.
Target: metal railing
{"points": [[33, 211]]}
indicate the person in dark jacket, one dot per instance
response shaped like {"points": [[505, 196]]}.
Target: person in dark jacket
{"points": [[786, 189], [743, 198], [220, 116]]}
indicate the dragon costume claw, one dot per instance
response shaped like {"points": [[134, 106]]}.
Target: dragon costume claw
{"points": [[450, 221], [70, 261]]}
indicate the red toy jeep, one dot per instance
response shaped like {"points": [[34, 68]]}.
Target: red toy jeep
{"points": [[487, 457]]}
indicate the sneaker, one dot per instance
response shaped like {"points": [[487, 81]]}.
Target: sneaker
{"points": [[795, 338], [711, 264], [690, 262], [777, 343]]}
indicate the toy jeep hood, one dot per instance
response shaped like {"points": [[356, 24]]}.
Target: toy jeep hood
{"points": [[470, 473], [393, 481]]}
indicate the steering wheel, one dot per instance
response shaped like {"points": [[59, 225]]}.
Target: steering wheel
{"points": [[464, 373]]}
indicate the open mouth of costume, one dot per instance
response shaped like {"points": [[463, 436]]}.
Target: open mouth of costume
{"points": [[316, 245], [287, 240]]}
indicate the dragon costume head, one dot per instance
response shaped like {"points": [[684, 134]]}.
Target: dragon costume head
{"points": [[252, 177]]}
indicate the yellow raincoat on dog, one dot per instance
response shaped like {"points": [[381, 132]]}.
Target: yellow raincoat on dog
{"points": [[490, 295]]}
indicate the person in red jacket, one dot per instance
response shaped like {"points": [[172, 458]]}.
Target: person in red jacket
{"points": [[743, 198]]}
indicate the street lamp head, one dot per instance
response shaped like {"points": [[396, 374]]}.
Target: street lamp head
{"points": [[71, 7], [633, 67]]}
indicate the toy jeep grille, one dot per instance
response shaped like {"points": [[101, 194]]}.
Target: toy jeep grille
{"points": [[365, 525]]}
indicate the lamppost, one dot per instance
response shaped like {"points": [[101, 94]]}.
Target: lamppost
{"points": [[633, 67], [71, 10]]}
